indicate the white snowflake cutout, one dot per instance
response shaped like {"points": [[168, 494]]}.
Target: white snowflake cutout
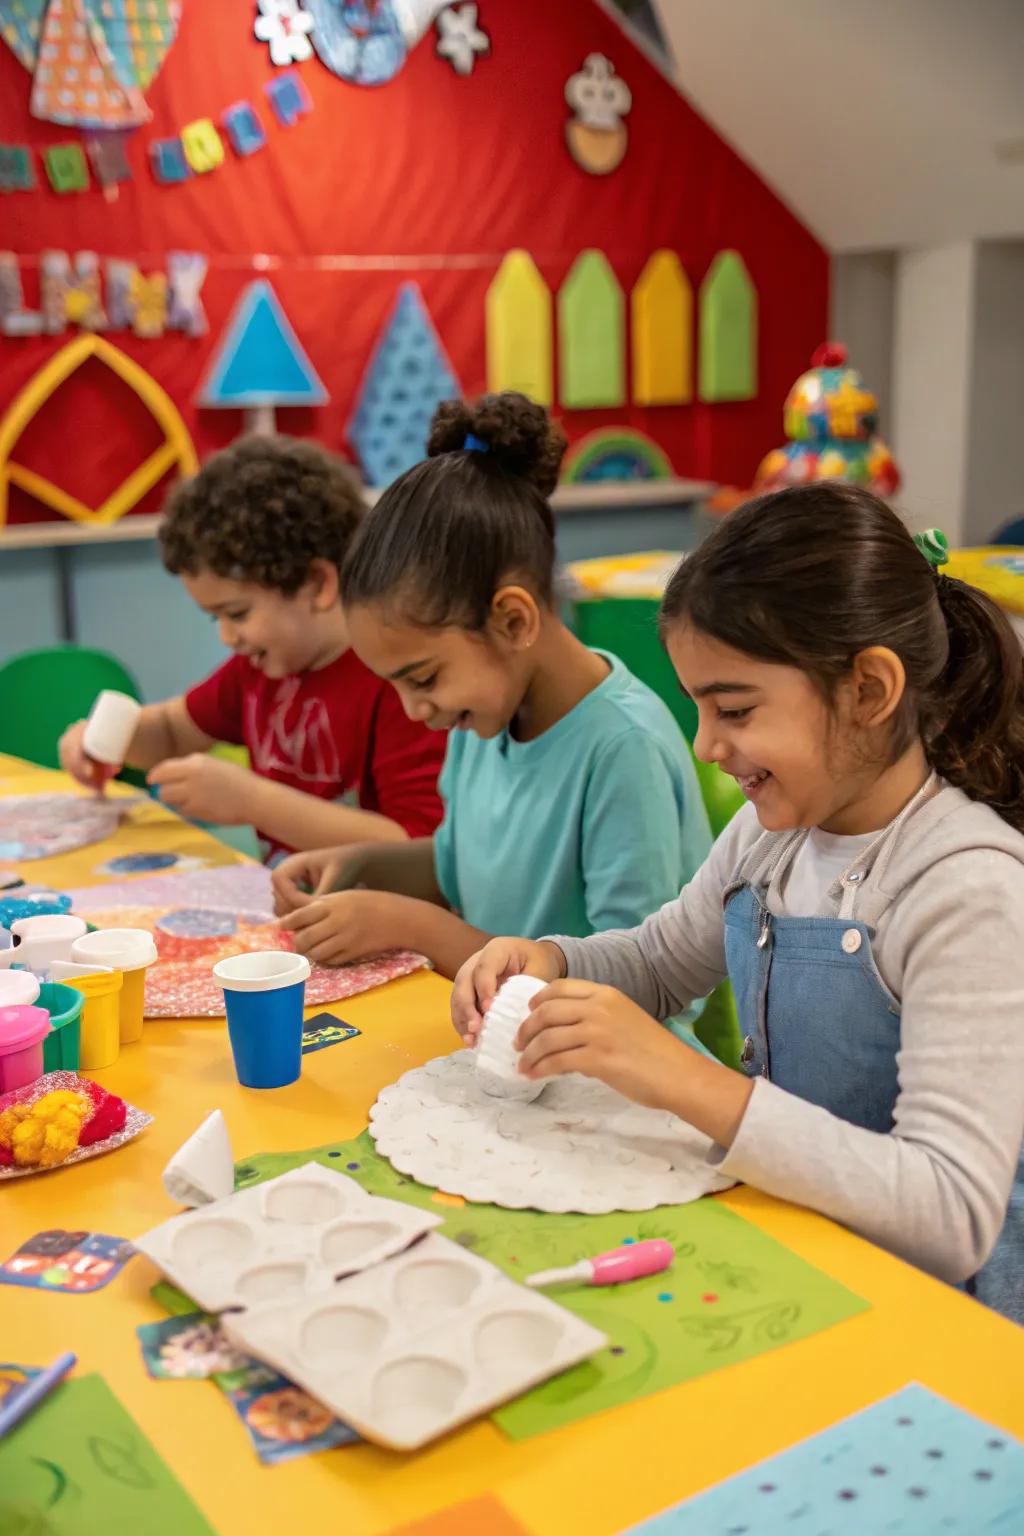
{"points": [[460, 39], [285, 26]]}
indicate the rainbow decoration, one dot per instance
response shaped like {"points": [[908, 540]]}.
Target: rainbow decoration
{"points": [[615, 453]]}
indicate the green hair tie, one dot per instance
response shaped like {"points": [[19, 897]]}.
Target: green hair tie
{"points": [[934, 545]]}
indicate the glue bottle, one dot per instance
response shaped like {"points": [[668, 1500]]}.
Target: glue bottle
{"points": [[108, 733]]}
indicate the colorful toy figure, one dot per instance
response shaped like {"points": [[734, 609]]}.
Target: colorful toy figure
{"points": [[831, 420]]}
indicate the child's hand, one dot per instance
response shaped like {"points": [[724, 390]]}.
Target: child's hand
{"points": [[478, 981], [578, 1026], [302, 877], [203, 788], [345, 926], [74, 761]]}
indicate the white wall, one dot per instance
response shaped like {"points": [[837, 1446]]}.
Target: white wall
{"points": [[863, 307], [883, 123], [932, 359], [995, 471]]}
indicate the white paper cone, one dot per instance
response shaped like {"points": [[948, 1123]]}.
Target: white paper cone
{"points": [[203, 1169]]}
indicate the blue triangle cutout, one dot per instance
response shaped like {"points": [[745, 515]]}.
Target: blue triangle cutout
{"points": [[260, 360]]}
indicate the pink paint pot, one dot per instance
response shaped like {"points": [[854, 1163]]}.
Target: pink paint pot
{"points": [[22, 1032]]}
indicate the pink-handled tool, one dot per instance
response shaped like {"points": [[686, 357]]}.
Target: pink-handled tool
{"points": [[630, 1262]]}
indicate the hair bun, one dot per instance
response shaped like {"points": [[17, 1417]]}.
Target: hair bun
{"points": [[520, 436]]}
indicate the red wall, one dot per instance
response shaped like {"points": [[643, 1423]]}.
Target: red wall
{"points": [[433, 177]]}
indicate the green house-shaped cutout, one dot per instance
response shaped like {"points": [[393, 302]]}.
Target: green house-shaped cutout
{"points": [[591, 335], [727, 366]]}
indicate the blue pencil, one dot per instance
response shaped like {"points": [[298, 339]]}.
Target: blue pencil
{"points": [[23, 1399]]}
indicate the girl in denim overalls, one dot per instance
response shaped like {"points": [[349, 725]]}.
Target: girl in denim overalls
{"points": [[867, 905]]}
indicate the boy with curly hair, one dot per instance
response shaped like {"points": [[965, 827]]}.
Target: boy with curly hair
{"points": [[257, 538]]}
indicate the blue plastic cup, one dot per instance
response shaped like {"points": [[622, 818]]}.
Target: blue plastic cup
{"points": [[263, 997]]}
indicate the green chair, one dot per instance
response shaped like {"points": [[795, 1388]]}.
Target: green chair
{"points": [[43, 692], [628, 627]]}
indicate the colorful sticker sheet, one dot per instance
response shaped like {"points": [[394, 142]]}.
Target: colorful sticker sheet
{"points": [[200, 917], [281, 1420], [189, 1347], [73, 1262], [733, 1292], [911, 1465]]}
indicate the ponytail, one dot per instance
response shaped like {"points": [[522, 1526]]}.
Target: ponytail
{"points": [[980, 693]]}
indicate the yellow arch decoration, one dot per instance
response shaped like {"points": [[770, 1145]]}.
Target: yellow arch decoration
{"points": [[176, 449]]}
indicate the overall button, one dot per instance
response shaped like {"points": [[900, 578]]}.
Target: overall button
{"points": [[748, 1049], [851, 941]]}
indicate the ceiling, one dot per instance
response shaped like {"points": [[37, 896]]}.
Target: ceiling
{"points": [[883, 123]]}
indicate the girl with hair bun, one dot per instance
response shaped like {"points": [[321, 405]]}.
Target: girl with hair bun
{"points": [[571, 800]]}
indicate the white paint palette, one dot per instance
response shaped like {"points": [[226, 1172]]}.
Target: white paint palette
{"points": [[289, 1237], [403, 1334], [418, 1345]]}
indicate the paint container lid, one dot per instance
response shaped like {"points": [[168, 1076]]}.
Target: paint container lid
{"points": [[120, 949], [17, 988], [22, 1027]]}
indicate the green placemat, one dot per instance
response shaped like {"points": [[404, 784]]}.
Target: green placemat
{"points": [[79, 1464], [732, 1293]]}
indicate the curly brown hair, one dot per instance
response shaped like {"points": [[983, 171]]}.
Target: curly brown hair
{"points": [[474, 514], [261, 511]]}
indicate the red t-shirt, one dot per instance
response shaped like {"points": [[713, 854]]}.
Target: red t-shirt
{"points": [[327, 732]]}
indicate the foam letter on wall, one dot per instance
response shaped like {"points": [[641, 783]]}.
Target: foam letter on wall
{"points": [[186, 273], [591, 335], [71, 292], [15, 319], [243, 128], [147, 299], [728, 331], [16, 170], [203, 145], [519, 330], [121, 276], [662, 309], [66, 167]]}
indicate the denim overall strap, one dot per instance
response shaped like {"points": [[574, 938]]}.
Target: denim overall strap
{"points": [[816, 1017]]}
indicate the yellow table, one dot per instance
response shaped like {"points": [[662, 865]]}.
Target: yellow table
{"points": [[592, 1479]]}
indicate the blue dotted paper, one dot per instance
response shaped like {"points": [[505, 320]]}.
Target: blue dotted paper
{"points": [[911, 1465], [407, 378]]}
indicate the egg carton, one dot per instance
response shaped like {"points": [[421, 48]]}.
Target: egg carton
{"points": [[292, 1235], [418, 1345]]}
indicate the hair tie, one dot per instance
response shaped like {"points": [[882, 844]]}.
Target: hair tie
{"points": [[934, 545], [474, 444]]}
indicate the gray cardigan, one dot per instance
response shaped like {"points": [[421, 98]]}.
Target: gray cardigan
{"points": [[947, 903]]}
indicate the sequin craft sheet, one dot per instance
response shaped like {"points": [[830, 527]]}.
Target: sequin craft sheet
{"points": [[41, 826], [203, 916]]}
